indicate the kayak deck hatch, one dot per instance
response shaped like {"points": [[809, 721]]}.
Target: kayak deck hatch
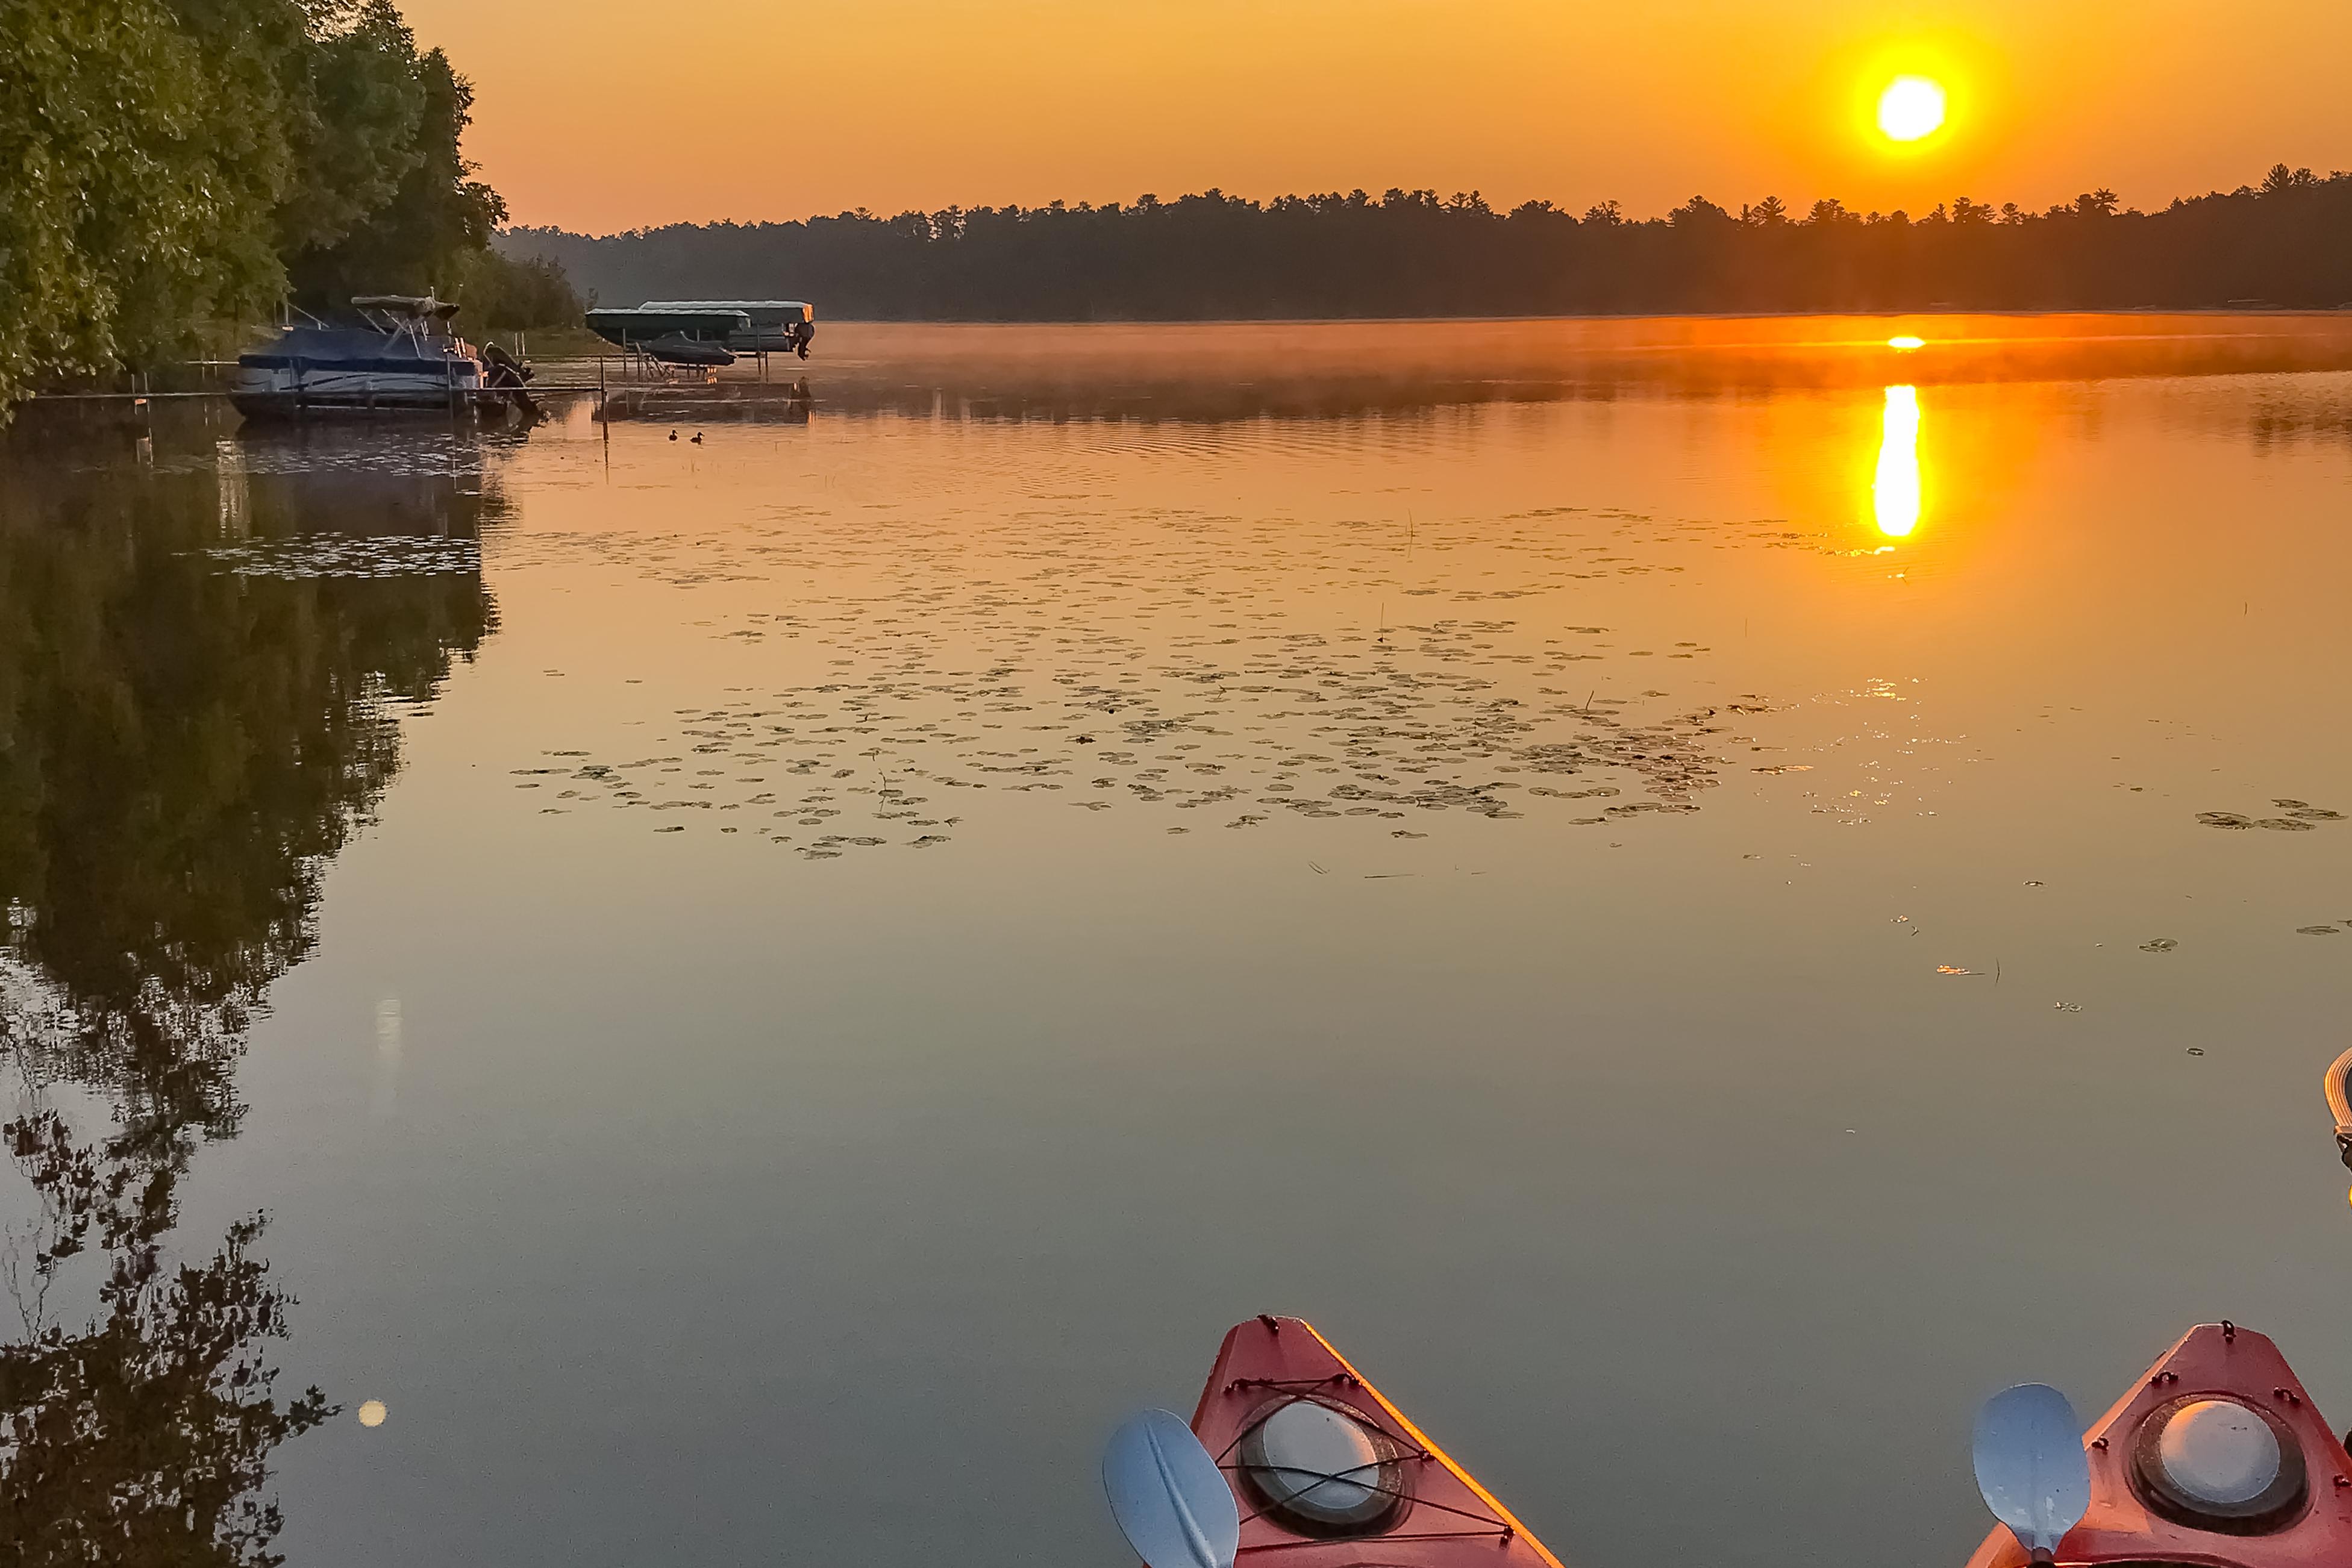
{"points": [[2217, 1458], [1329, 1474]]}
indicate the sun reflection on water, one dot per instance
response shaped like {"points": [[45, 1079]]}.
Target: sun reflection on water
{"points": [[1895, 490]]}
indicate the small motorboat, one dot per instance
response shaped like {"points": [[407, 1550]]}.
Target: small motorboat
{"points": [[1293, 1460], [677, 348], [2217, 1458], [775, 326], [505, 376], [694, 335], [407, 357]]}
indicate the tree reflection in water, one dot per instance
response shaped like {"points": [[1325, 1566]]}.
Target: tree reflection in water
{"points": [[192, 723]]}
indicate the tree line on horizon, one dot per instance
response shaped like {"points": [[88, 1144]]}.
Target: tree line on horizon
{"points": [[2285, 241], [169, 165]]}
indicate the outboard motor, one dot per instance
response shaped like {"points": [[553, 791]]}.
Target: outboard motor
{"points": [[502, 372]]}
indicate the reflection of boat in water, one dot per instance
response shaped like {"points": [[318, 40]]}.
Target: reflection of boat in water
{"points": [[408, 355], [294, 491]]}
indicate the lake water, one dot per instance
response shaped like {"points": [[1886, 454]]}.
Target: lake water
{"points": [[1699, 896]]}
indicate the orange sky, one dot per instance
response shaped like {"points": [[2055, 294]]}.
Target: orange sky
{"points": [[587, 115]]}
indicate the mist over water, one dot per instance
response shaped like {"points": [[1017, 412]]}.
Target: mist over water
{"points": [[1698, 895]]}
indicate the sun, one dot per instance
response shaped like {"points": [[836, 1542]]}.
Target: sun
{"points": [[1911, 108]]}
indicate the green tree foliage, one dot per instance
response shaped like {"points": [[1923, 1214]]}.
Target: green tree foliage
{"points": [[1410, 253], [502, 294], [356, 102], [139, 173], [437, 217], [162, 159]]}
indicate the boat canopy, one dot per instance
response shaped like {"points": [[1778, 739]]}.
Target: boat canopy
{"points": [[416, 307], [762, 312], [644, 324], [325, 347]]}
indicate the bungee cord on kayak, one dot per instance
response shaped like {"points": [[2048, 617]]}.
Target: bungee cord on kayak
{"points": [[1268, 1459], [1315, 1463]]}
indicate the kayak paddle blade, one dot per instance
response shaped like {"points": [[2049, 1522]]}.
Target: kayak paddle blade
{"points": [[2030, 1466], [1169, 1499]]}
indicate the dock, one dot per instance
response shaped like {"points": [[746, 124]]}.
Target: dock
{"points": [[620, 385]]}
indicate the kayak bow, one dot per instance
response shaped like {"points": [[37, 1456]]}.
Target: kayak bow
{"points": [[2217, 1459], [1329, 1474]]}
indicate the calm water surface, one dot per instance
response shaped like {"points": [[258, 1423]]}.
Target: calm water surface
{"points": [[1698, 897]]}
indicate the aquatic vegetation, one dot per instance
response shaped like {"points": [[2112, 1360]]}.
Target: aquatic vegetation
{"points": [[1086, 678]]}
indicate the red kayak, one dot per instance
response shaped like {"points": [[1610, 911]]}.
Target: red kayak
{"points": [[2217, 1459], [1329, 1474]]}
